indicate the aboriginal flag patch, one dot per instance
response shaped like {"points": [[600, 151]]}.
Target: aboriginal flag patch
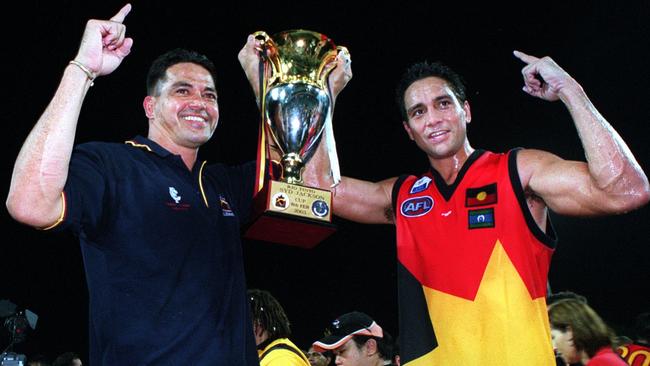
{"points": [[481, 196], [481, 218]]}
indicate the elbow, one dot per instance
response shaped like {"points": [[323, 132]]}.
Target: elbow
{"points": [[644, 195], [641, 192], [633, 199], [25, 212], [629, 191], [19, 210]]}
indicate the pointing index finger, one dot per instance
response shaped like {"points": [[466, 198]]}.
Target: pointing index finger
{"points": [[119, 17], [524, 57]]}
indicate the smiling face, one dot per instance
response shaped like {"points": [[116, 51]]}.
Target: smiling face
{"points": [[437, 121], [184, 112]]}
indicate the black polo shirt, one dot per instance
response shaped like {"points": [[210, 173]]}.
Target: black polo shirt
{"points": [[162, 253]]}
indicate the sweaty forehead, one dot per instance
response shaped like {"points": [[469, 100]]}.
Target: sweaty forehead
{"points": [[426, 89], [189, 73]]}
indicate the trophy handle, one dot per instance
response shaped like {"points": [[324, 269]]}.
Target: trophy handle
{"points": [[269, 54], [328, 64]]}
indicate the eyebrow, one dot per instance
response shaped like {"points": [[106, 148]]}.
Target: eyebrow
{"points": [[186, 84], [437, 99]]}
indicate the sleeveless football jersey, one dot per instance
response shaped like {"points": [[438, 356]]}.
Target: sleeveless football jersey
{"points": [[472, 268]]}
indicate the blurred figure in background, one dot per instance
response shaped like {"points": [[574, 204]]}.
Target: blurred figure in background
{"points": [[67, 359], [37, 360], [580, 335], [370, 345], [272, 330], [319, 358]]}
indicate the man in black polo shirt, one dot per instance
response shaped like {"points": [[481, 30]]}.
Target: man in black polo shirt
{"points": [[159, 231]]}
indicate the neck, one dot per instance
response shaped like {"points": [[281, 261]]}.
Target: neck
{"points": [[187, 154], [448, 167]]}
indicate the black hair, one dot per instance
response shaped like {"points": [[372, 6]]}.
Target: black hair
{"points": [[269, 314], [158, 69], [425, 69]]}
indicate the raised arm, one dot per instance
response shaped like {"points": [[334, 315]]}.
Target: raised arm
{"points": [[611, 181], [41, 168]]}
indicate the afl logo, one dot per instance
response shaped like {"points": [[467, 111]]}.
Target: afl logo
{"points": [[416, 206]]}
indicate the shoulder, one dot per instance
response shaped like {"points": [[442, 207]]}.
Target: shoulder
{"points": [[282, 352], [606, 357], [102, 145], [531, 161], [107, 149]]}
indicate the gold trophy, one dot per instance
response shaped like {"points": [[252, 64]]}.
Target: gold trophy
{"points": [[297, 107]]}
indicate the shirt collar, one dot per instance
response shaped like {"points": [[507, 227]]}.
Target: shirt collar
{"points": [[149, 145]]}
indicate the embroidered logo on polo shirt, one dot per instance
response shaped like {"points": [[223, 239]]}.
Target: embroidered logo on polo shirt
{"points": [[176, 205], [481, 196], [225, 206], [478, 219], [416, 206], [420, 185], [174, 193]]}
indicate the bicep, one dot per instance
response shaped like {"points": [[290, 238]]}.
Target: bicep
{"points": [[363, 201], [566, 186]]}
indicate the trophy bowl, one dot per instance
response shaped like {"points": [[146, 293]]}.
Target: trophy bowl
{"points": [[296, 100]]}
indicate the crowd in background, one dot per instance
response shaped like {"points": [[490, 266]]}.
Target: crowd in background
{"points": [[580, 337]]}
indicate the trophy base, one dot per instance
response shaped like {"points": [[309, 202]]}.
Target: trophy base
{"points": [[291, 214]]}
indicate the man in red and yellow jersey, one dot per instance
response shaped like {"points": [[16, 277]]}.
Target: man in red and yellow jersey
{"points": [[474, 241]]}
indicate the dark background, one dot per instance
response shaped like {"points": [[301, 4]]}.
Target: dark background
{"points": [[604, 45]]}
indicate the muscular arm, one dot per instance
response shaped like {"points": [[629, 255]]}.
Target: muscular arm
{"points": [[364, 202], [41, 168], [355, 200], [611, 181]]}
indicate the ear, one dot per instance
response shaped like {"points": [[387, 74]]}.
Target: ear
{"points": [[467, 111], [149, 104], [257, 329], [371, 347], [408, 129]]}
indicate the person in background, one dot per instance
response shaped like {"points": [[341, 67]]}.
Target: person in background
{"points": [[272, 331], [554, 297], [37, 360], [67, 359], [319, 358], [580, 335], [356, 339]]}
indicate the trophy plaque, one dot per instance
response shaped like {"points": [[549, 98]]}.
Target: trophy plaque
{"points": [[296, 110]]}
